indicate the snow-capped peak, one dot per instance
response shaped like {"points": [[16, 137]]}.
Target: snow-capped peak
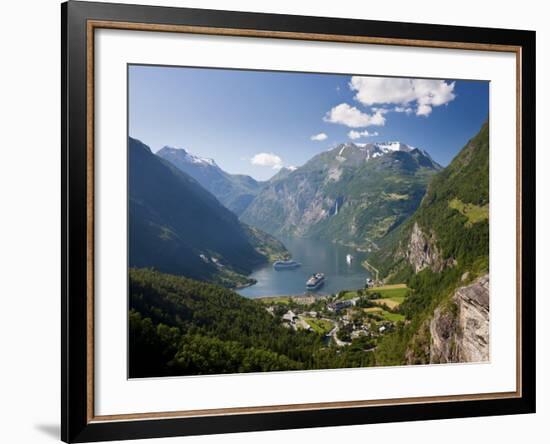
{"points": [[186, 156], [201, 160], [352, 152], [386, 147]]}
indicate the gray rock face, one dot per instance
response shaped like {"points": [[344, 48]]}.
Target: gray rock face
{"points": [[289, 207], [460, 330], [422, 251]]}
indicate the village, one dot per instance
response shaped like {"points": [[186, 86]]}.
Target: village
{"points": [[341, 319]]}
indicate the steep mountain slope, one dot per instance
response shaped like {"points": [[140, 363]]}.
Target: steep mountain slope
{"points": [[282, 173], [442, 252], [178, 227], [451, 224], [235, 191], [353, 194]]}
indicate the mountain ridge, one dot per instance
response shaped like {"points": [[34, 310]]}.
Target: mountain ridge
{"points": [[350, 194], [178, 227], [442, 253], [234, 191]]}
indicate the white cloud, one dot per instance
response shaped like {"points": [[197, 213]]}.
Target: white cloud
{"points": [[267, 160], [422, 94], [423, 110], [345, 114], [402, 109], [353, 135], [319, 137]]}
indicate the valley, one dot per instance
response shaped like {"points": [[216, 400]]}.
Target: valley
{"points": [[313, 255], [402, 243]]}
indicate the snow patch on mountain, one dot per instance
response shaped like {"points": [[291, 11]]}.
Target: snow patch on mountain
{"points": [[386, 147], [348, 151], [188, 157]]}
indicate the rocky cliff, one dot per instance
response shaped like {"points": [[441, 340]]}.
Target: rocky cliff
{"points": [[459, 329], [422, 251], [290, 207], [435, 251]]}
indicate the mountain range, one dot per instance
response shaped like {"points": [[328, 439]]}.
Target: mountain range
{"points": [[177, 226], [235, 191], [352, 194]]}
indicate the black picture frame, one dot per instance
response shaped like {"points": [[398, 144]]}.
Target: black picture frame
{"points": [[76, 423]]}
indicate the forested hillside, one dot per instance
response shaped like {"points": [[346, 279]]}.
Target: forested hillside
{"points": [[180, 326], [442, 248]]}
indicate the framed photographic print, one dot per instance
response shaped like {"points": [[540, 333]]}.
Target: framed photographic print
{"points": [[276, 221]]}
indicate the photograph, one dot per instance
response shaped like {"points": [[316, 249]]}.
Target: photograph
{"points": [[299, 221]]}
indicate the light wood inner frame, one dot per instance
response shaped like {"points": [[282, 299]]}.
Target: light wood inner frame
{"points": [[92, 25]]}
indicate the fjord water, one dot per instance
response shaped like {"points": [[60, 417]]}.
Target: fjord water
{"points": [[315, 256]]}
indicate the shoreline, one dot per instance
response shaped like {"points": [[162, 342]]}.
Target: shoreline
{"points": [[364, 265], [293, 297], [370, 269], [241, 286]]}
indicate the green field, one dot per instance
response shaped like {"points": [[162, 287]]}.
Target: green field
{"points": [[474, 213], [393, 317], [396, 293], [386, 315], [391, 295], [320, 326]]}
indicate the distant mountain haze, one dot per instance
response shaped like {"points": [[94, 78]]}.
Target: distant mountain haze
{"points": [[177, 226], [235, 191]]}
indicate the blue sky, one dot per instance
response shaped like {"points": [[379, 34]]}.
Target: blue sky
{"points": [[254, 122]]}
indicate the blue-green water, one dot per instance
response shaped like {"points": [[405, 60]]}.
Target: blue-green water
{"points": [[315, 256]]}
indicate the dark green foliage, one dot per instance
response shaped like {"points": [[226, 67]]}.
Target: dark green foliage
{"points": [[199, 355], [391, 348], [179, 326], [150, 346]]}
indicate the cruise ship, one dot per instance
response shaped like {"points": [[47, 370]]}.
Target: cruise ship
{"points": [[315, 281], [285, 265]]}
